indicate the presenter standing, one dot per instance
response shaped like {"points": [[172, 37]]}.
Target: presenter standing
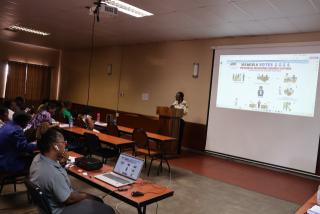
{"points": [[180, 103]]}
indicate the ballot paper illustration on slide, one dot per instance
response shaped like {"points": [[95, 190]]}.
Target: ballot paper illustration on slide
{"points": [[289, 91], [286, 106], [260, 91], [289, 79], [238, 77], [263, 78], [280, 82], [259, 106]]}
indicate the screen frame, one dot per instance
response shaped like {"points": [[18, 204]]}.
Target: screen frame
{"points": [[248, 46]]}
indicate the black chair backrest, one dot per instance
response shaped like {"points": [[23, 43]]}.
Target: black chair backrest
{"points": [[79, 122], [38, 197], [92, 142], [139, 136], [112, 129]]}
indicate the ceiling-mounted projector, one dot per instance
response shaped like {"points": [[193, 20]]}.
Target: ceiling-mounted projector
{"points": [[105, 9]]}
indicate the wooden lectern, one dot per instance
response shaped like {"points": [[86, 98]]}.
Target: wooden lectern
{"points": [[169, 120]]}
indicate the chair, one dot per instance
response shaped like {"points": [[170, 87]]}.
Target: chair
{"points": [[92, 143], [85, 206], [79, 122], [31, 134], [75, 142], [15, 178], [38, 197], [144, 147], [111, 129]]}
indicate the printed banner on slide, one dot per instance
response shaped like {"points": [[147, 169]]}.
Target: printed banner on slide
{"points": [[284, 84]]}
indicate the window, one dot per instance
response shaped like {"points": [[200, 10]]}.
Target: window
{"points": [[29, 81]]}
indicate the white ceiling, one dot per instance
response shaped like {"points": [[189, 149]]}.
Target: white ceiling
{"points": [[70, 25]]}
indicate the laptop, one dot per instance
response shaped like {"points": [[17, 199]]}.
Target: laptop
{"points": [[126, 171]]}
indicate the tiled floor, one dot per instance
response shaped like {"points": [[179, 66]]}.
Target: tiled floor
{"points": [[281, 185]]}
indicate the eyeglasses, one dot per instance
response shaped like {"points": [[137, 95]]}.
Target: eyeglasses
{"points": [[64, 142]]}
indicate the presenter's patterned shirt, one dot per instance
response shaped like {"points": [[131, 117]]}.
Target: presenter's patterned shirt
{"points": [[183, 105]]}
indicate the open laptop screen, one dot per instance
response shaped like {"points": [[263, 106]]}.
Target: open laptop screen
{"points": [[128, 166]]}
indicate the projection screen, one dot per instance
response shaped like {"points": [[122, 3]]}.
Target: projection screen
{"points": [[264, 104]]}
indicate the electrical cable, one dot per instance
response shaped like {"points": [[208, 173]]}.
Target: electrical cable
{"points": [[91, 56], [117, 206], [170, 180], [117, 190], [119, 81], [108, 194]]}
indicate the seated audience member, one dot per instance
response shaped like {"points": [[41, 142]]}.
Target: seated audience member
{"points": [[43, 105], [14, 145], [85, 119], [12, 107], [66, 111], [47, 172], [42, 128], [44, 115], [4, 115], [21, 105]]}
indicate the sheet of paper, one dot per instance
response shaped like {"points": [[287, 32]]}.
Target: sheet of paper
{"points": [[100, 123], [314, 210], [63, 125], [95, 130]]}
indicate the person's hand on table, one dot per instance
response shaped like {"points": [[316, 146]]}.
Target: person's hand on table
{"points": [[64, 156]]}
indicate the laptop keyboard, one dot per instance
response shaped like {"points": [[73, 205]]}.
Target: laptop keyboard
{"points": [[115, 178]]}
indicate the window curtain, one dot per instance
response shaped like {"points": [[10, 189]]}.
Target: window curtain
{"points": [[16, 80], [38, 82]]}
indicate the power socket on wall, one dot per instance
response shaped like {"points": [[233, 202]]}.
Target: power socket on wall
{"points": [[145, 96]]}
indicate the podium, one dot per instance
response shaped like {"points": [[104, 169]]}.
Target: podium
{"points": [[169, 121]]}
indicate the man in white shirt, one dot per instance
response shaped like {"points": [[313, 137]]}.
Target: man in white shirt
{"points": [[180, 103]]}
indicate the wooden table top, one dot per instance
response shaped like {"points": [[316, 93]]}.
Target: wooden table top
{"points": [[103, 137], [151, 135], [308, 204], [152, 192]]}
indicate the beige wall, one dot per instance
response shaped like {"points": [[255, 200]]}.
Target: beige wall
{"points": [[159, 69], [103, 88], [13, 51]]}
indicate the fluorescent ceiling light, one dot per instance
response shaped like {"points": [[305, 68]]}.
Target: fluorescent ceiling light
{"points": [[28, 30], [127, 8]]}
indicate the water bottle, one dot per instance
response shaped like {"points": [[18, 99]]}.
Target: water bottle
{"points": [[70, 122], [318, 196], [98, 117]]}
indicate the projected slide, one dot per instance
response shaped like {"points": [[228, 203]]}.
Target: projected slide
{"points": [[282, 83]]}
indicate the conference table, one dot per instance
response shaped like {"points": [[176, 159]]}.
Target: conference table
{"points": [[308, 204], [117, 142], [152, 191]]}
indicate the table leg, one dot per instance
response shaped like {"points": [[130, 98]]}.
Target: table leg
{"points": [[142, 210], [163, 158]]}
